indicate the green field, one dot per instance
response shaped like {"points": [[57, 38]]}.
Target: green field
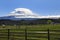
{"points": [[34, 32], [33, 27]]}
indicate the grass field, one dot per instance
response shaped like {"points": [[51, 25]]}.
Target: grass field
{"points": [[34, 32], [33, 27]]}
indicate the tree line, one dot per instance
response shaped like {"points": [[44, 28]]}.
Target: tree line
{"points": [[29, 22]]}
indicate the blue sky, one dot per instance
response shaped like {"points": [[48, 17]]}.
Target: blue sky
{"points": [[41, 7]]}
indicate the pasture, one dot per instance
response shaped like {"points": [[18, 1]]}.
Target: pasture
{"points": [[33, 32], [33, 27]]}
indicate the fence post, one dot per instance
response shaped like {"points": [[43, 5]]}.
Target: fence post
{"points": [[25, 34], [8, 33], [48, 34]]}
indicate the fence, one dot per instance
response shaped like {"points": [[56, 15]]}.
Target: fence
{"points": [[20, 34]]}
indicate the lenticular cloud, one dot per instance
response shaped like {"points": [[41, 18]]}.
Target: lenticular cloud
{"points": [[27, 13], [24, 10], [23, 13]]}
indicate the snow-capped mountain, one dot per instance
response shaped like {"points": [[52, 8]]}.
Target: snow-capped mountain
{"points": [[25, 14], [21, 13], [17, 18]]}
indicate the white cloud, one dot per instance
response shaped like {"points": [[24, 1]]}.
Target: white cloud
{"points": [[23, 12], [27, 13]]}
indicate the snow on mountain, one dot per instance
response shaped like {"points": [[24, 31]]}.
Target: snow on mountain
{"points": [[24, 13], [27, 13], [21, 13]]}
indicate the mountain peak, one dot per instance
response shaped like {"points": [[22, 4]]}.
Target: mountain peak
{"points": [[23, 13]]}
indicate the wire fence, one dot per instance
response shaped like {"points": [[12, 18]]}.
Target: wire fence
{"points": [[20, 34]]}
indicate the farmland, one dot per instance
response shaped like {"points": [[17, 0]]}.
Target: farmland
{"points": [[34, 32], [33, 27]]}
